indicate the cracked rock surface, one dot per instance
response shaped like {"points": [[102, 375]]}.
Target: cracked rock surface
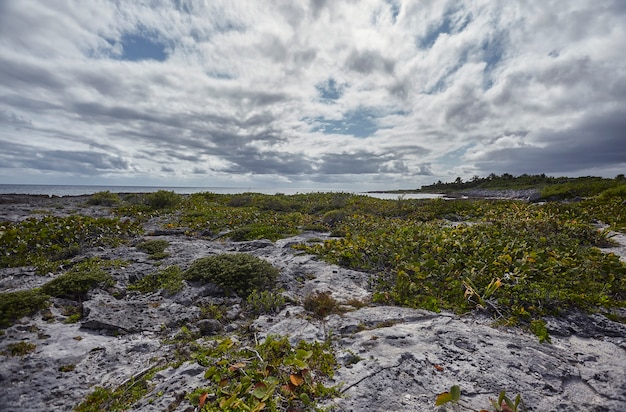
{"points": [[391, 358]]}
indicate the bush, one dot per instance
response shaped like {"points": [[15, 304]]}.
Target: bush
{"points": [[104, 199], [235, 273], [321, 304], [162, 199], [260, 303], [79, 280], [14, 305], [169, 279], [155, 248]]}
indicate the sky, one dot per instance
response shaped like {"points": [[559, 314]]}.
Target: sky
{"points": [[326, 94]]}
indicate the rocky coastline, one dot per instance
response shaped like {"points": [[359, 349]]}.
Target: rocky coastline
{"points": [[390, 358]]}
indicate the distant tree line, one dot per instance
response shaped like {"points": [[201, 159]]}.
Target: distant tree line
{"points": [[524, 181]]}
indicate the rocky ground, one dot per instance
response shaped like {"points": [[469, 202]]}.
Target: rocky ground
{"points": [[392, 359]]}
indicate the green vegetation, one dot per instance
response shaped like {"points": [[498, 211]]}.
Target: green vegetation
{"points": [[519, 261], [552, 188], [119, 399], [80, 279], [169, 279], [48, 242], [14, 305], [154, 248], [20, 348], [235, 273], [104, 199], [73, 284], [270, 376], [259, 303], [162, 199]]}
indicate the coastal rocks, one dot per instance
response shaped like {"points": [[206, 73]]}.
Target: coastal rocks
{"points": [[398, 359], [391, 358]]}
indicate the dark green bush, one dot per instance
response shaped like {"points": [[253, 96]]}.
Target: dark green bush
{"points": [[104, 199], [14, 305], [153, 247], [235, 273], [256, 231], [79, 280], [169, 279], [162, 199]]}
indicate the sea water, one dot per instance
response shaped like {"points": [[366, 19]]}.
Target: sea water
{"points": [[77, 190]]}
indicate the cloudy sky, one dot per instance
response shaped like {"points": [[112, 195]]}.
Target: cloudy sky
{"points": [[329, 94]]}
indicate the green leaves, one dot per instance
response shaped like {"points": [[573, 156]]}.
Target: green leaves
{"points": [[235, 273], [272, 374], [452, 396], [36, 241], [517, 260]]}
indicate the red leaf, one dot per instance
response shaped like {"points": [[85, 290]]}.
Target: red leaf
{"points": [[438, 367], [202, 400]]}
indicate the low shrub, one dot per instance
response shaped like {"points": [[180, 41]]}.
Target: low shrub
{"points": [[264, 302], [80, 279], [162, 199], [321, 304], [14, 305], [170, 279], [235, 273], [104, 199], [154, 248]]}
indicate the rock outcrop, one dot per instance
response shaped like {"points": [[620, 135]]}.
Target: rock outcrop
{"points": [[391, 358]]}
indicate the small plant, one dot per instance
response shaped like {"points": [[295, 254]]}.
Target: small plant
{"points": [[213, 311], [170, 279], [105, 198], [14, 305], [235, 273], [121, 398], [504, 404], [320, 304], [453, 395], [538, 327], [481, 300], [67, 368], [20, 348], [154, 248], [263, 302]]}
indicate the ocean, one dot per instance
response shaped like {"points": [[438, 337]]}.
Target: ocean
{"points": [[77, 190]]}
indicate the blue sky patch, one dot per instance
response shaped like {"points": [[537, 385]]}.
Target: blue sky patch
{"points": [[394, 5], [137, 47], [452, 22], [358, 123], [330, 90]]}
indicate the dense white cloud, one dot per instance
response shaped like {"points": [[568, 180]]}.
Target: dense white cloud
{"points": [[342, 94]]}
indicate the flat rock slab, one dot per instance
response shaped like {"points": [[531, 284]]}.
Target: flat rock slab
{"points": [[104, 312], [399, 359]]}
